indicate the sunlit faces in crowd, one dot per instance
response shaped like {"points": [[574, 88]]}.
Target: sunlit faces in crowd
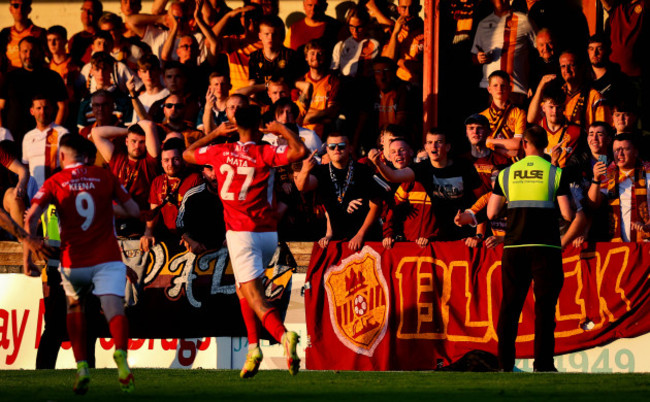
{"points": [[625, 153], [476, 133], [174, 109], [400, 153], [599, 138], [437, 147], [545, 45], [338, 149]]}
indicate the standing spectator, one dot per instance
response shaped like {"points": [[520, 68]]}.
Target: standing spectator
{"points": [[177, 82], [546, 61], [566, 19], [149, 72], [167, 192], [315, 25], [503, 41], [628, 32], [21, 85], [79, 44], [319, 99], [213, 112], [624, 185], [103, 110], [119, 72], [583, 104], [238, 48], [607, 77], [125, 50], [452, 184], [40, 145], [10, 37], [273, 60], [338, 184], [135, 165], [406, 43], [174, 110], [128, 8], [353, 56], [507, 121]]}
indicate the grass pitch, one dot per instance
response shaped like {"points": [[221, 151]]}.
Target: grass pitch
{"points": [[225, 385]]}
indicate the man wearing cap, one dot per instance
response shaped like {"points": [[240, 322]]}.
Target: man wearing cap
{"points": [[532, 248]]}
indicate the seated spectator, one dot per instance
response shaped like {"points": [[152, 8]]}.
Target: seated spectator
{"points": [[353, 56], [135, 165], [213, 112], [177, 82], [40, 145], [315, 25], [174, 110], [149, 72], [119, 74], [21, 85], [337, 184], [452, 184], [319, 98], [583, 104], [273, 60], [564, 138], [624, 186], [507, 121], [503, 41], [167, 192], [125, 50], [101, 69], [80, 43], [199, 221], [406, 43], [10, 37]]}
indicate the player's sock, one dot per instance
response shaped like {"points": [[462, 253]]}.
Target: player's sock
{"points": [[272, 322], [119, 327], [77, 334], [253, 324]]}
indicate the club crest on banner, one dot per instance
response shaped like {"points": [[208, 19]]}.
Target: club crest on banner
{"points": [[357, 293]]}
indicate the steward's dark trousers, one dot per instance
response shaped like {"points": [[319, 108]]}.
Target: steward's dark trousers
{"points": [[519, 266]]}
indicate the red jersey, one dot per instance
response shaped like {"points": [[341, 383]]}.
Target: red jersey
{"points": [[245, 182], [135, 176], [83, 196]]}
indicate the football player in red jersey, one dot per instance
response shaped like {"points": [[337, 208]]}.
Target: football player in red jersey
{"points": [[245, 188], [90, 256]]}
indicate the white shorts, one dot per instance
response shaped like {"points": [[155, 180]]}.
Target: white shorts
{"points": [[108, 278], [250, 253]]}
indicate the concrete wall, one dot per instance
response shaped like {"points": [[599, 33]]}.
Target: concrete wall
{"points": [[67, 13]]}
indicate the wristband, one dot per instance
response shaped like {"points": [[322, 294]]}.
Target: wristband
{"points": [[595, 181]]}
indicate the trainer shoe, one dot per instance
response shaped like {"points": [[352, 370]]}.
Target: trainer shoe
{"points": [[289, 342], [81, 379], [127, 383], [252, 363]]}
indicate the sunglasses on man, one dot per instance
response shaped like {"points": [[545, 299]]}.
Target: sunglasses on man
{"points": [[176, 105], [333, 146]]}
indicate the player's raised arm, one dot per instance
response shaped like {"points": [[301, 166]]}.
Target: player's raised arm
{"points": [[297, 149]]}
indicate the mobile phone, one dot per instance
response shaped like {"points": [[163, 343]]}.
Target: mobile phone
{"points": [[602, 158]]}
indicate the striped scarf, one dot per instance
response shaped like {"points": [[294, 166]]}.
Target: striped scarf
{"points": [[639, 201]]}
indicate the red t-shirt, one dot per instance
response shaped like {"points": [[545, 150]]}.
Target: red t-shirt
{"points": [[162, 186], [83, 196], [245, 182], [135, 176]]}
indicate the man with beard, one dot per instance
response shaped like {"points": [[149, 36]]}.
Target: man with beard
{"points": [[136, 166], [167, 190], [10, 37], [174, 110]]}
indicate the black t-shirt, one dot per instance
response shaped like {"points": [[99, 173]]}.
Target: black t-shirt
{"points": [[287, 65], [533, 226], [362, 185], [200, 216], [451, 189], [18, 89]]}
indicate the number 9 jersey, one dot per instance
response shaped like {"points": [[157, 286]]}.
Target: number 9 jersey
{"points": [[83, 196], [245, 180]]}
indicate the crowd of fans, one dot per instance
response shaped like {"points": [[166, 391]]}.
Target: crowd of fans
{"points": [[143, 87]]}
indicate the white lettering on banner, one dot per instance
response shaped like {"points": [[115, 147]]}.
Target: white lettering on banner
{"points": [[220, 258]]}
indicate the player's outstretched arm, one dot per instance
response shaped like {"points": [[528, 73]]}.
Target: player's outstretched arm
{"points": [[102, 137]]}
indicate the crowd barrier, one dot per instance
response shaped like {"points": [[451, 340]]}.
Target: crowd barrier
{"points": [[412, 308]]}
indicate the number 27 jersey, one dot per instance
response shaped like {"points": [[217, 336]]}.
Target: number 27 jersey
{"points": [[83, 196], [245, 182]]}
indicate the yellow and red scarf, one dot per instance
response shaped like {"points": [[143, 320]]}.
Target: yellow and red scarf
{"points": [[639, 207]]}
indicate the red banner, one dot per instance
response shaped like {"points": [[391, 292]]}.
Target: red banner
{"points": [[412, 308]]}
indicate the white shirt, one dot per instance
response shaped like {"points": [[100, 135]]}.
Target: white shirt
{"points": [[5, 134], [490, 38], [148, 100], [625, 197], [34, 151], [120, 75], [345, 56], [308, 137], [156, 37]]}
